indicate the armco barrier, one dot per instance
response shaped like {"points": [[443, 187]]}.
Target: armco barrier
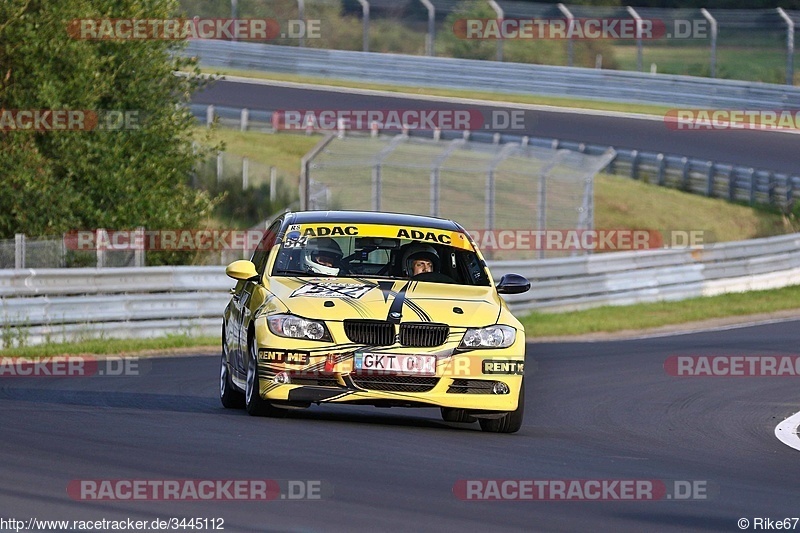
{"points": [[520, 78], [55, 304]]}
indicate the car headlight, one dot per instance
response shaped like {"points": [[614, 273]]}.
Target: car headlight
{"points": [[295, 327], [489, 337]]}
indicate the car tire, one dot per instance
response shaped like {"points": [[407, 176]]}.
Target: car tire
{"points": [[510, 422], [254, 403], [230, 397], [460, 416]]}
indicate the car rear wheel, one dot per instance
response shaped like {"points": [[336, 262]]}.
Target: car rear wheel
{"points": [[230, 397], [457, 415], [510, 422], [254, 403]]}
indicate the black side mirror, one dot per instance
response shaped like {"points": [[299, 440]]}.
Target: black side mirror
{"points": [[513, 284]]}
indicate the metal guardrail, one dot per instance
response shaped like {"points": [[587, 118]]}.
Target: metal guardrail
{"points": [[449, 73], [648, 276], [721, 29], [52, 305]]}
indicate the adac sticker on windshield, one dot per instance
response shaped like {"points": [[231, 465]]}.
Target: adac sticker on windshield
{"points": [[332, 290], [438, 236]]}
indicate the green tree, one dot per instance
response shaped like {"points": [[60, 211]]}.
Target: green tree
{"points": [[53, 181]]}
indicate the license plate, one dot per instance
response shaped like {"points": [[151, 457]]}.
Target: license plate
{"points": [[391, 363]]}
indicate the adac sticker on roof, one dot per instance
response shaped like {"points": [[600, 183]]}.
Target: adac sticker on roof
{"points": [[438, 236]]}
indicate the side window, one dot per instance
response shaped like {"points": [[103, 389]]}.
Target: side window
{"points": [[265, 246]]}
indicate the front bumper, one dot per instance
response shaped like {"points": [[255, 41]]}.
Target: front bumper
{"points": [[466, 381]]}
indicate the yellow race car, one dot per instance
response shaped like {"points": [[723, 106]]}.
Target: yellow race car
{"points": [[373, 308]]}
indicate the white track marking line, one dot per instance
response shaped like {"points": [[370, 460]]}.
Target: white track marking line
{"points": [[786, 431]]}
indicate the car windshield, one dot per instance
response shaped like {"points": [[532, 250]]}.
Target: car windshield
{"points": [[378, 251]]}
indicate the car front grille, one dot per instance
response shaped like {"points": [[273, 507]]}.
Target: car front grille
{"points": [[370, 332], [381, 333], [317, 381], [423, 334], [395, 383], [470, 386]]}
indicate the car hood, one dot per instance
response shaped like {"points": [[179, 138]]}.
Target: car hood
{"points": [[343, 298]]}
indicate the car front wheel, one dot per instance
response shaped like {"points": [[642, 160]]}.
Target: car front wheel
{"points": [[230, 397], [254, 403], [461, 416]]}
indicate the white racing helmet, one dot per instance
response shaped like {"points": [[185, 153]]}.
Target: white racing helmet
{"points": [[321, 252], [420, 251]]}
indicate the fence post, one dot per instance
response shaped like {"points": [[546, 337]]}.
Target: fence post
{"points": [[245, 173], [305, 169], [635, 164], [102, 238], [19, 250], [612, 167], [571, 22], [638, 20], [431, 35], [301, 14], [662, 168], [209, 116], [219, 166], [686, 186], [711, 20], [499, 13], [139, 248], [365, 13], [771, 188], [376, 187], [732, 184], [710, 179], [273, 183], [245, 119], [789, 46], [752, 175]]}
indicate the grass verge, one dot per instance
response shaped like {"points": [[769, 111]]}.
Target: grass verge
{"points": [[651, 315], [126, 347]]}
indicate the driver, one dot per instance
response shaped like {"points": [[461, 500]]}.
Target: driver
{"points": [[323, 256], [419, 259]]}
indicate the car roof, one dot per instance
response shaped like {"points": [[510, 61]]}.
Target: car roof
{"points": [[370, 217]]}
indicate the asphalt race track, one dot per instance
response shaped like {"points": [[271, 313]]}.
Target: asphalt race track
{"points": [[602, 411], [762, 150]]}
